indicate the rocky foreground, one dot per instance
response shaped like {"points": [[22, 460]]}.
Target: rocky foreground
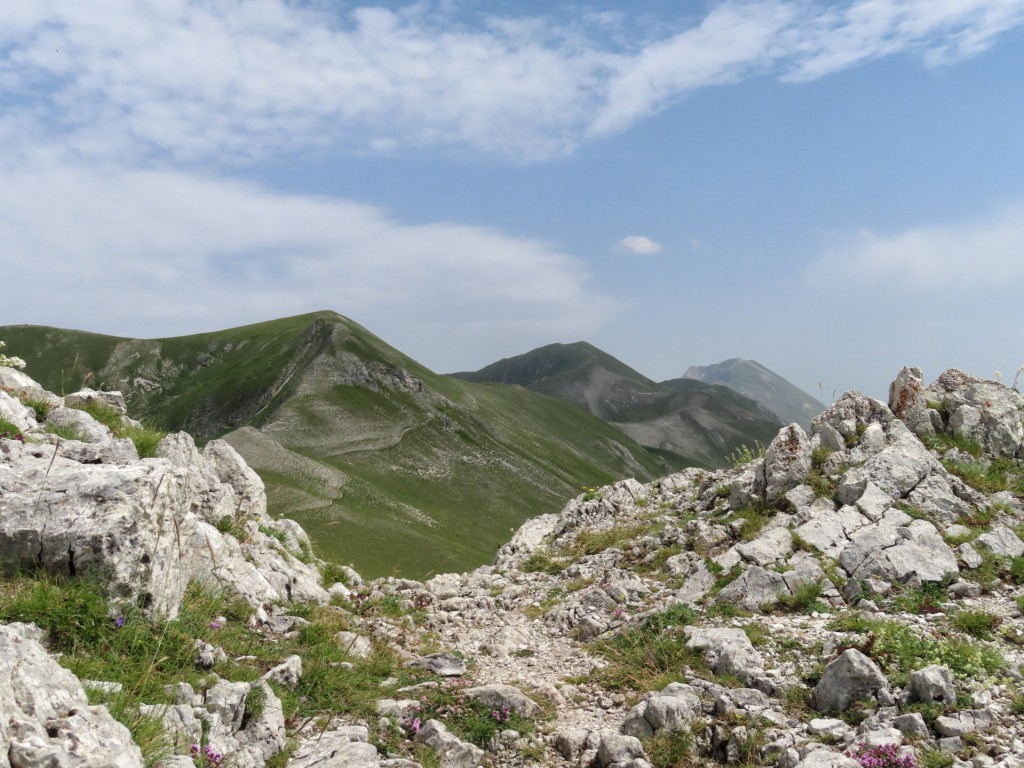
{"points": [[850, 598]]}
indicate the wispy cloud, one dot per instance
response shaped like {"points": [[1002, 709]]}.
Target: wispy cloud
{"points": [[977, 255], [136, 253], [639, 245], [201, 81]]}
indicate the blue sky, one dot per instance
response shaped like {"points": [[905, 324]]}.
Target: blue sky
{"points": [[833, 189]]}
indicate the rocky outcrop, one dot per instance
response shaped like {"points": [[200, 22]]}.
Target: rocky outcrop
{"points": [[144, 527], [47, 719], [796, 611]]}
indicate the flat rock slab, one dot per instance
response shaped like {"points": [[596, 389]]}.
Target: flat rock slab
{"points": [[443, 664]]}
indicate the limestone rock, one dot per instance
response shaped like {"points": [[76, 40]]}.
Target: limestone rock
{"points": [[850, 678], [453, 752], [87, 396], [84, 426], [47, 720], [908, 402], [619, 750], [443, 664], [728, 651], [985, 411], [334, 749], [894, 551], [754, 588], [786, 463], [498, 695], [11, 409], [354, 645], [287, 673], [932, 683], [667, 712], [961, 723], [1002, 541], [770, 547]]}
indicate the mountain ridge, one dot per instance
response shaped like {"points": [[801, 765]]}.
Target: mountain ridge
{"points": [[345, 428], [702, 423]]}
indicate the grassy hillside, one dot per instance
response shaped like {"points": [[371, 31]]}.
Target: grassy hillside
{"points": [[388, 465]]}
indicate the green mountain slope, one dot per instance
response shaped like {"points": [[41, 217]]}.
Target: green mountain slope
{"points": [[389, 466], [695, 424], [750, 378]]}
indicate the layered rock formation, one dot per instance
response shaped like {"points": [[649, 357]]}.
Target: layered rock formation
{"points": [[854, 592]]}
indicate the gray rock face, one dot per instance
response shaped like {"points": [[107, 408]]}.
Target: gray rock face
{"points": [[47, 720], [728, 651], [81, 424], [934, 496], [334, 748], [453, 752], [932, 683], [850, 678], [896, 549], [770, 547], [1002, 541], [912, 725], [498, 695], [753, 589], [908, 402], [89, 396], [826, 758], [667, 712], [985, 411], [786, 463], [354, 645], [443, 664], [896, 469], [617, 749], [144, 528], [963, 722], [13, 411]]}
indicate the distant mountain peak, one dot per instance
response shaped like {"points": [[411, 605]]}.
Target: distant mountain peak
{"points": [[696, 423], [754, 380]]}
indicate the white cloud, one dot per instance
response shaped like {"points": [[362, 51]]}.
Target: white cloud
{"points": [[158, 253], [241, 78], [985, 255], [639, 245]]}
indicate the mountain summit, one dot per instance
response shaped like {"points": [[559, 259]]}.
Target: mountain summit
{"points": [[695, 424], [748, 377]]}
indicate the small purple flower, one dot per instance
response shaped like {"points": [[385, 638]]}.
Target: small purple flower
{"points": [[416, 725], [215, 625], [119, 622]]}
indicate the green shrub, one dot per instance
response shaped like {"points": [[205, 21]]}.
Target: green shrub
{"points": [[927, 598], [40, 405], [650, 656], [806, 599], [979, 624], [899, 650], [745, 454], [935, 758], [944, 441], [145, 438], [332, 573], [1017, 704], [9, 430], [590, 542], [541, 562], [669, 750]]}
